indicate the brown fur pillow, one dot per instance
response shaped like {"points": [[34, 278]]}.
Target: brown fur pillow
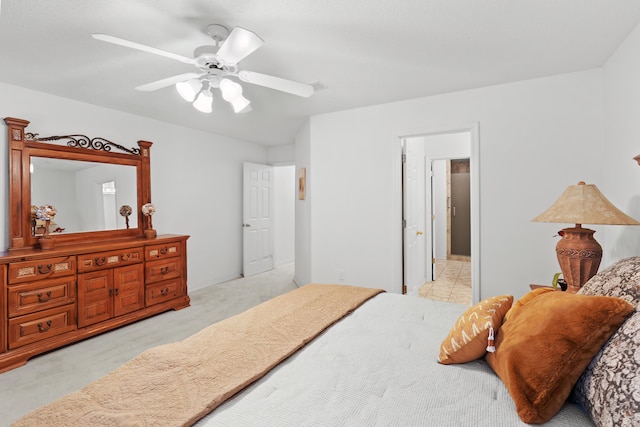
{"points": [[525, 299], [546, 344]]}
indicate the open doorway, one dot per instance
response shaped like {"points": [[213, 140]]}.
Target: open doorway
{"points": [[451, 230], [423, 243]]}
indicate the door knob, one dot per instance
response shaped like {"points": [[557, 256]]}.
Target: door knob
{"points": [[418, 233]]}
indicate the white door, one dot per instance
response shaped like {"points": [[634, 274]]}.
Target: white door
{"points": [[414, 215], [257, 235]]}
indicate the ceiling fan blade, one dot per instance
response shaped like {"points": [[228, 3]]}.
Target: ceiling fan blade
{"points": [[169, 81], [284, 85], [240, 44], [142, 47]]}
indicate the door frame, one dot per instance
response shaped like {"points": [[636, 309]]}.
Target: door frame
{"points": [[474, 160]]}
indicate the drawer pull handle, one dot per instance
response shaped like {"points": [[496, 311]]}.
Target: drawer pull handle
{"points": [[40, 299], [164, 292], [125, 257], [164, 250], [100, 261], [117, 290], [43, 329], [164, 270], [45, 270]]}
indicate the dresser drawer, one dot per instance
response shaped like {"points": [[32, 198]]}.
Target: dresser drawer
{"points": [[164, 269], [166, 250], [163, 291], [31, 297], [34, 327], [110, 259], [29, 271]]}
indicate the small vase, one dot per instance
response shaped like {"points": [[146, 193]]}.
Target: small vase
{"points": [[46, 242], [150, 233]]}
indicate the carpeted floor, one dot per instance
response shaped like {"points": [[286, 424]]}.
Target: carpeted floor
{"points": [[55, 374]]}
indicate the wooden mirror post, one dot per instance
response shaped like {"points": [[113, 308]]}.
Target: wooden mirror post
{"points": [[17, 189]]}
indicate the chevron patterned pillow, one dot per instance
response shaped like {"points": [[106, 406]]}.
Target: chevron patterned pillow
{"points": [[468, 339]]}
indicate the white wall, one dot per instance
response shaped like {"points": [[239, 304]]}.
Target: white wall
{"points": [[284, 193], [196, 177], [620, 181], [281, 155], [535, 138], [303, 233]]}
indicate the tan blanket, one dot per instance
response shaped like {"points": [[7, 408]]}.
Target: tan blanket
{"points": [[177, 384]]}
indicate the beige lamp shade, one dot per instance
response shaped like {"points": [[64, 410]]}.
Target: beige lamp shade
{"points": [[579, 254], [584, 204]]}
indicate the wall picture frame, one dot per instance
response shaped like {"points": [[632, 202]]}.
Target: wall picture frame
{"points": [[302, 183]]}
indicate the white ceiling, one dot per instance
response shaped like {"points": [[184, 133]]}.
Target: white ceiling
{"points": [[365, 51]]}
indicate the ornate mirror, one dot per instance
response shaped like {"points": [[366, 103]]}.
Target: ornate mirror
{"points": [[96, 186]]}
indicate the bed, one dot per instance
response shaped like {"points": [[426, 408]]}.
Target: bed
{"points": [[379, 363]]}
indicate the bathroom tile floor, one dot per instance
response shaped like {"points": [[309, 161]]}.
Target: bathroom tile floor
{"points": [[452, 284]]}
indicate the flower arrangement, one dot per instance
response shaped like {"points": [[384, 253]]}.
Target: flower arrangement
{"points": [[148, 210], [125, 211], [46, 213]]}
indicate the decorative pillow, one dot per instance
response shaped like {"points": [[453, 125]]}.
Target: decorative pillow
{"points": [[468, 338], [609, 389], [525, 299], [546, 344]]}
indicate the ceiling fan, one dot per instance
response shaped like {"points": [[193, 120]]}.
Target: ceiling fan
{"points": [[216, 65]]}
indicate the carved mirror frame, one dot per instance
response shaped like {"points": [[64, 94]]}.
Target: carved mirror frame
{"points": [[23, 145]]}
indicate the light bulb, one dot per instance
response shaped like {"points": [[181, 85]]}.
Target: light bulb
{"points": [[189, 89], [240, 104], [232, 93], [204, 102], [230, 90]]}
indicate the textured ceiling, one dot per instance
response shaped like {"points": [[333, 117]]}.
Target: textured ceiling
{"points": [[365, 51]]}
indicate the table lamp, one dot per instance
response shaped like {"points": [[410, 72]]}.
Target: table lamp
{"points": [[579, 254]]}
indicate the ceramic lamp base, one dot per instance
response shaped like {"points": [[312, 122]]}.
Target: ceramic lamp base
{"points": [[579, 255]]}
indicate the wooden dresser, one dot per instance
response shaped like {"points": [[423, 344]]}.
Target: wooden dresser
{"points": [[102, 266], [55, 297]]}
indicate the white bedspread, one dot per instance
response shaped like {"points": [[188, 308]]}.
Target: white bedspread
{"points": [[377, 367]]}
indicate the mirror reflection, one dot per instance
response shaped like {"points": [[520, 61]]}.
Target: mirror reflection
{"points": [[88, 196]]}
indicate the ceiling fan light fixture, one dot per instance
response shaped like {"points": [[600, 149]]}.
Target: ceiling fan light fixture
{"points": [[230, 90], [232, 93], [189, 89], [215, 63], [240, 104], [204, 101]]}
